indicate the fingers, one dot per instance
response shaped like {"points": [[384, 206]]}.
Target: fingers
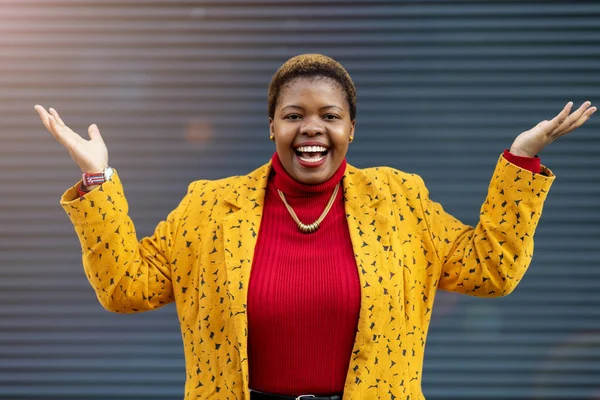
{"points": [[561, 117], [62, 133], [57, 117], [94, 133], [571, 119], [577, 114], [43, 115], [47, 120], [578, 118]]}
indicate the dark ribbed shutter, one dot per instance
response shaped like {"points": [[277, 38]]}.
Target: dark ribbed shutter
{"points": [[178, 89]]}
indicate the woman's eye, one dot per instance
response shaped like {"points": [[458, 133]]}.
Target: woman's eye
{"points": [[292, 116], [331, 116]]}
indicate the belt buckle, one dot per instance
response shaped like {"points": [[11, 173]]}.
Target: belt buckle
{"points": [[305, 396]]}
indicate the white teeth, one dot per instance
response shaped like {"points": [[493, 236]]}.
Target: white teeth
{"points": [[312, 160], [311, 149]]}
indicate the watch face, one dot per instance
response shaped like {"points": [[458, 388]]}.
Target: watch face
{"points": [[108, 173]]}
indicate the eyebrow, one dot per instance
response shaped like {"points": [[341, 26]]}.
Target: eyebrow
{"points": [[302, 108]]}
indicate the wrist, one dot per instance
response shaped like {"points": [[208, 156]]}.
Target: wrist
{"points": [[515, 151]]}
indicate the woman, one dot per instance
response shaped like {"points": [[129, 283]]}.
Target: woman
{"points": [[307, 277]]}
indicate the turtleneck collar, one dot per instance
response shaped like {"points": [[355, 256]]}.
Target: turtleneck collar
{"points": [[290, 186]]}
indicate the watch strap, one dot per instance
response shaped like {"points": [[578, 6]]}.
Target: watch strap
{"points": [[93, 179], [96, 178]]}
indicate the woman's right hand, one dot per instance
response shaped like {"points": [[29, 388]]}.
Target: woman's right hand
{"points": [[91, 155]]}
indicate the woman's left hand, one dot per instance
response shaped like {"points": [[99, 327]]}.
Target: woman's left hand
{"points": [[531, 142]]}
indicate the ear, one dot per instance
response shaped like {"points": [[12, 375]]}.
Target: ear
{"points": [[271, 128], [352, 125]]}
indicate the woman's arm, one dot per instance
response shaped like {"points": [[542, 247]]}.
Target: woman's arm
{"points": [[491, 258], [127, 275]]}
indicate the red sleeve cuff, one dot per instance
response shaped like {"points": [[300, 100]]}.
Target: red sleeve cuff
{"points": [[81, 192], [533, 164]]}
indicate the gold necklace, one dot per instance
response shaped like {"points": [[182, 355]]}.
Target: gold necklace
{"points": [[310, 228]]}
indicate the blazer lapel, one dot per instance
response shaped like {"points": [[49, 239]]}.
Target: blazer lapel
{"points": [[240, 232], [370, 219]]}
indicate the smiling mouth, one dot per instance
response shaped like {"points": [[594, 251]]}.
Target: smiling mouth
{"points": [[311, 154]]}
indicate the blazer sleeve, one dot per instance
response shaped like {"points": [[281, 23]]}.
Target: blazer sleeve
{"points": [[490, 259], [128, 276]]}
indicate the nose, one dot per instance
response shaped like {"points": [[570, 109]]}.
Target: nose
{"points": [[312, 127]]}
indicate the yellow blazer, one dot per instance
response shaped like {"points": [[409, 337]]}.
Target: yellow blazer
{"points": [[406, 248]]}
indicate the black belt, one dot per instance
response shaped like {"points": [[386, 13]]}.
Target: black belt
{"points": [[256, 395]]}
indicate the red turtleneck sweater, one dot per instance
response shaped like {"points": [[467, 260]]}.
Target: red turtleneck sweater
{"points": [[304, 293]]}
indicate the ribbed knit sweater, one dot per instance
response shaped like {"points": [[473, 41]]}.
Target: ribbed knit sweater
{"points": [[304, 293]]}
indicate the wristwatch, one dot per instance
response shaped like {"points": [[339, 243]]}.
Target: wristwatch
{"points": [[90, 179]]}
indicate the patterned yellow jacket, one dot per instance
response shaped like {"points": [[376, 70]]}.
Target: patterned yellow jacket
{"points": [[406, 248]]}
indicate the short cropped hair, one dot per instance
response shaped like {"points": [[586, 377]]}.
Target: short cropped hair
{"points": [[311, 66]]}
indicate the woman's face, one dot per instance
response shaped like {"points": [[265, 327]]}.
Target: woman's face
{"points": [[312, 128]]}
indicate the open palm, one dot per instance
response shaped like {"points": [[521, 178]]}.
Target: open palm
{"points": [[531, 142], [91, 155]]}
